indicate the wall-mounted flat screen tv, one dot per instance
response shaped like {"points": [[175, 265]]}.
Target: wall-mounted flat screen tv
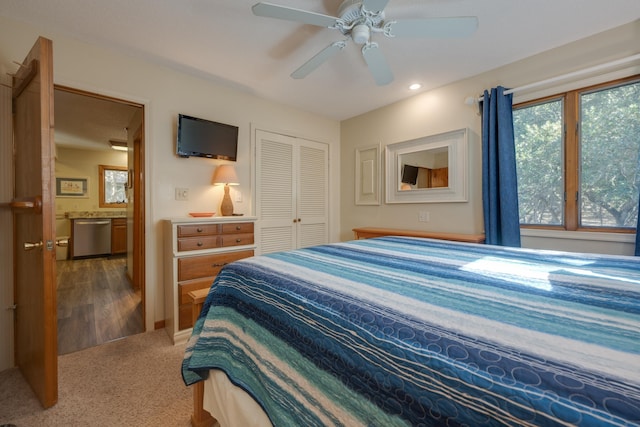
{"points": [[205, 138], [410, 174]]}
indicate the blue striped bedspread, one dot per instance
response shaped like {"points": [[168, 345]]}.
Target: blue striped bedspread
{"points": [[398, 331]]}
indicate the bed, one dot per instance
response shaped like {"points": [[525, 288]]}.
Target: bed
{"points": [[397, 331]]}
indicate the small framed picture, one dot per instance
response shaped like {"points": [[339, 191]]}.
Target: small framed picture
{"points": [[72, 187]]}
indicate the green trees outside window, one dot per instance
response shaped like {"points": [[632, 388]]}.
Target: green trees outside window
{"points": [[578, 158]]}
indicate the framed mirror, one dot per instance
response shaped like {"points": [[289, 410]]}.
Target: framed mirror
{"points": [[112, 186], [431, 169]]}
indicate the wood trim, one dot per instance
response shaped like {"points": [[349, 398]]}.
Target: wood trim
{"points": [[370, 232], [97, 95], [157, 325], [24, 76], [139, 216], [571, 159], [101, 202]]}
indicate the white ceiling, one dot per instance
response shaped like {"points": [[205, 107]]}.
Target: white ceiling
{"points": [[223, 41], [88, 122]]}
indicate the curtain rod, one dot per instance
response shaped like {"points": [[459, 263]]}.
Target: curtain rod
{"points": [[569, 75]]}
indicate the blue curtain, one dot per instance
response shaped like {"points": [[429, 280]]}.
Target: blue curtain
{"points": [[499, 183], [637, 252]]}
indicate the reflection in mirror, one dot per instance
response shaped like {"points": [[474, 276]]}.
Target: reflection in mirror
{"points": [[425, 169], [113, 186], [428, 169]]}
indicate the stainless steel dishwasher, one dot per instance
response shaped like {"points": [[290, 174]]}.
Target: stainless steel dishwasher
{"points": [[91, 237]]}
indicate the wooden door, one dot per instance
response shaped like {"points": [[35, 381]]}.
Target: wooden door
{"points": [[36, 351]]}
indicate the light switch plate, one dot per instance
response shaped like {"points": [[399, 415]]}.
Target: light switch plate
{"points": [[182, 194]]}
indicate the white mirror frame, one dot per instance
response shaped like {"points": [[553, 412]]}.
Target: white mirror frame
{"points": [[458, 147]]}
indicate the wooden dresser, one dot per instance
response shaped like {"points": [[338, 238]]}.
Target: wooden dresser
{"points": [[369, 232], [195, 250]]}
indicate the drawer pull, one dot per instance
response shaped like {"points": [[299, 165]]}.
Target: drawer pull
{"points": [[238, 227], [219, 265], [199, 230], [238, 240], [200, 243]]}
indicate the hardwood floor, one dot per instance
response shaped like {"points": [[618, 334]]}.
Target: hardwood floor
{"points": [[96, 303]]}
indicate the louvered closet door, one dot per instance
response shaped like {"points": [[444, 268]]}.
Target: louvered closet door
{"points": [[313, 194], [291, 192]]}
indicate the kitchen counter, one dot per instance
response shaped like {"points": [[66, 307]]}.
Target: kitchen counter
{"points": [[96, 214]]}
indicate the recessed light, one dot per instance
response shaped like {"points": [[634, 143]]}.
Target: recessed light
{"points": [[415, 86]]}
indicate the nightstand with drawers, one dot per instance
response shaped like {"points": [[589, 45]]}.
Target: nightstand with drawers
{"points": [[195, 251]]}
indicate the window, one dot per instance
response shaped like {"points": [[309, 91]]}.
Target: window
{"points": [[578, 158], [113, 186]]}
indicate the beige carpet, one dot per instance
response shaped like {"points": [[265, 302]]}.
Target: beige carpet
{"points": [[134, 381]]}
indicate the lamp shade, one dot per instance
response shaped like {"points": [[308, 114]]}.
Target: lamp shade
{"points": [[225, 174]]}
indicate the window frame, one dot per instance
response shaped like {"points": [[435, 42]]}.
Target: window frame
{"points": [[571, 155], [101, 181]]}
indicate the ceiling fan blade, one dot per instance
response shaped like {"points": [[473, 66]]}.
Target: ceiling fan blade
{"points": [[291, 14], [318, 59], [462, 26], [374, 5], [377, 64]]}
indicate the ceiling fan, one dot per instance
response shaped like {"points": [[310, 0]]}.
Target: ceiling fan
{"points": [[358, 19]]}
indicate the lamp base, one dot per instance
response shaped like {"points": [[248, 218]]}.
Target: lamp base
{"points": [[226, 207]]}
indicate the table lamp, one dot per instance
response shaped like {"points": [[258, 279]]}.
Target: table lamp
{"points": [[225, 174]]}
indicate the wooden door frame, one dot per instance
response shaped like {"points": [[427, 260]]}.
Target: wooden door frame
{"points": [[139, 217], [139, 248]]}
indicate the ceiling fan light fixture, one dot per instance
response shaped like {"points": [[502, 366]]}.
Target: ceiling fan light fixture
{"points": [[360, 34]]}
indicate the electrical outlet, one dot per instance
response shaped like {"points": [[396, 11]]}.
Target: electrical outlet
{"points": [[423, 216], [238, 196], [182, 194]]}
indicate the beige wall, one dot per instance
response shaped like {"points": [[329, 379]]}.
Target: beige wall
{"points": [[75, 163], [165, 93], [443, 110]]}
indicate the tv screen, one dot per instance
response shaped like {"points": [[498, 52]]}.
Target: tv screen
{"points": [[410, 174], [204, 138]]}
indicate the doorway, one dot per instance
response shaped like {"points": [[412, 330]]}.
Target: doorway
{"points": [[100, 296]]}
